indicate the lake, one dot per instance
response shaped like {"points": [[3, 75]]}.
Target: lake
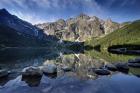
{"points": [[76, 72]]}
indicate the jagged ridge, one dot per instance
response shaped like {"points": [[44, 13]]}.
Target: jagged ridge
{"points": [[80, 28]]}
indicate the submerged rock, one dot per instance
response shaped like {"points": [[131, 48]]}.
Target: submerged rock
{"points": [[102, 71]]}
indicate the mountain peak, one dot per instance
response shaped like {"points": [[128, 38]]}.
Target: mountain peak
{"points": [[4, 12], [83, 16], [109, 20]]}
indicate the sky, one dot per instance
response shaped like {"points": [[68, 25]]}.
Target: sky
{"points": [[40, 11]]}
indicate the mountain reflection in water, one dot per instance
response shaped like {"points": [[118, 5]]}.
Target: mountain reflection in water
{"points": [[79, 79]]}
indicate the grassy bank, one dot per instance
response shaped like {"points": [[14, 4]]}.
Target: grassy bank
{"points": [[129, 34]]}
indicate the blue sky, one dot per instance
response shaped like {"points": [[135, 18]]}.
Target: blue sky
{"points": [[39, 11]]}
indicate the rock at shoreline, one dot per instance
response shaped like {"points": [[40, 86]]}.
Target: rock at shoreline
{"points": [[135, 65], [49, 69], [122, 67], [137, 60]]}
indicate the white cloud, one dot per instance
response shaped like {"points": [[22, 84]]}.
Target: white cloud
{"points": [[28, 17], [50, 9]]}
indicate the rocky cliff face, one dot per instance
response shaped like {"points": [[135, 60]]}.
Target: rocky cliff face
{"points": [[80, 28], [110, 26]]}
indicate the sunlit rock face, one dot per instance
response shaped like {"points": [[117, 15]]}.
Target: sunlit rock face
{"points": [[79, 28], [110, 26]]}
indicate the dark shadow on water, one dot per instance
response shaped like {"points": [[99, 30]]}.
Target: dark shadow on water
{"points": [[97, 48], [125, 49], [18, 53], [88, 47]]}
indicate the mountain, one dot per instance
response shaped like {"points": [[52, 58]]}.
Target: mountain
{"points": [[17, 24], [79, 28], [127, 35], [16, 32]]}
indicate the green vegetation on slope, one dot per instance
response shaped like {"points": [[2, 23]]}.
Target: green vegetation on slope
{"points": [[129, 34]]}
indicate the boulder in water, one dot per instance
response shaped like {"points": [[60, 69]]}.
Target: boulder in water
{"points": [[31, 71], [122, 67], [102, 71], [111, 67], [66, 68], [49, 69]]}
